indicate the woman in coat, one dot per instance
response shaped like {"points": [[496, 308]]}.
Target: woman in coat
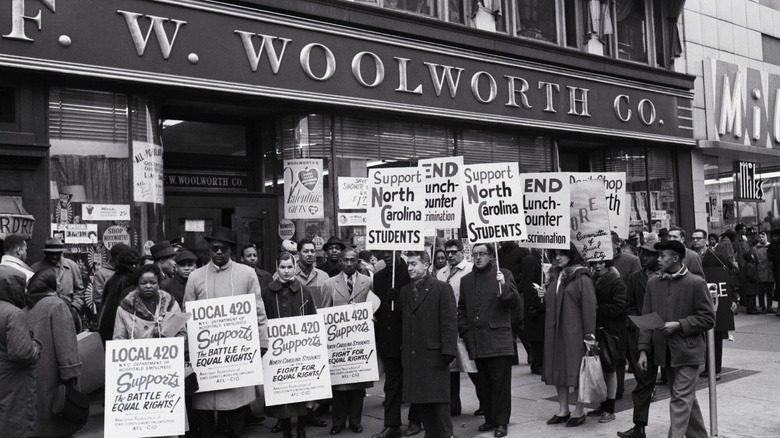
{"points": [[51, 322], [611, 321], [570, 318], [141, 314], [286, 297], [18, 354], [764, 270], [114, 292]]}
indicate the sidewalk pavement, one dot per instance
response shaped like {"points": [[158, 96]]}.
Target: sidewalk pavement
{"points": [[748, 398]]}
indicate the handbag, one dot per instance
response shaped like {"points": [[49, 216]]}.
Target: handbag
{"points": [[608, 349], [592, 387], [71, 405]]}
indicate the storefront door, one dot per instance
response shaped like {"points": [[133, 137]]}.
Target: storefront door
{"points": [[252, 216]]}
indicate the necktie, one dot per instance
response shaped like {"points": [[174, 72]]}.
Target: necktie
{"points": [[453, 271], [349, 284]]}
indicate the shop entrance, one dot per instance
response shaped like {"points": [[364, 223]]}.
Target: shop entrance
{"points": [[252, 216]]}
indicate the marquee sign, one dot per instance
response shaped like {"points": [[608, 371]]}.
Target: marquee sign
{"points": [[210, 45]]}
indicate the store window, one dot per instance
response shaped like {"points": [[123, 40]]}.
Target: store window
{"points": [[631, 24], [536, 19], [190, 137], [650, 184]]}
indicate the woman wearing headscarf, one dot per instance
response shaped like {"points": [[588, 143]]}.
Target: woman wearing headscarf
{"points": [[51, 322], [611, 323], [18, 354], [570, 319], [142, 313], [286, 297], [117, 287]]}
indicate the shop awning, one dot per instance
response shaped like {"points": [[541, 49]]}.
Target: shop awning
{"points": [[737, 152], [14, 219]]}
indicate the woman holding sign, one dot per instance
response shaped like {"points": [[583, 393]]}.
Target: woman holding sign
{"points": [[143, 313], [285, 297], [570, 318]]}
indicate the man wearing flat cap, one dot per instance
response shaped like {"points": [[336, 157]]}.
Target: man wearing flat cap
{"points": [[164, 256], [185, 265], [683, 302], [222, 277], [70, 286], [333, 248]]}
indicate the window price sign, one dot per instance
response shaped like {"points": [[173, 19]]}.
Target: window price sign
{"points": [[353, 193]]}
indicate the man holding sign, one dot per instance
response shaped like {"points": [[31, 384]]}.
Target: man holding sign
{"points": [[429, 345], [222, 277]]}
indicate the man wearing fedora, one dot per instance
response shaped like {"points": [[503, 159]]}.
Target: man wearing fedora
{"points": [[70, 286], [333, 248], [164, 256], [222, 277], [645, 379]]}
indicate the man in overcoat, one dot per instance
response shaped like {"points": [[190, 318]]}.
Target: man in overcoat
{"points": [[430, 344], [14, 272], [309, 275], [348, 287], [388, 344], [222, 277], [70, 286], [683, 302], [487, 297]]}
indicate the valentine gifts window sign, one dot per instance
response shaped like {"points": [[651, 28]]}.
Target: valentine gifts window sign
{"points": [[303, 198]]}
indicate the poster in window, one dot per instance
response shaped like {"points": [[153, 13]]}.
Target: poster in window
{"points": [[148, 178], [303, 198]]}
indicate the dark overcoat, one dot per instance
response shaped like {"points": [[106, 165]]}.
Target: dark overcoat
{"points": [[388, 317], [484, 317], [611, 309], [18, 354], [429, 332], [570, 314], [533, 311]]}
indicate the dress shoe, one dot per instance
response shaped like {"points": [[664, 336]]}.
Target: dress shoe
{"points": [[576, 421], [500, 431], [606, 417], [413, 429], [595, 413], [335, 430], [357, 428], [557, 419], [485, 427], [277, 427], [389, 432], [634, 432], [481, 412], [301, 433]]}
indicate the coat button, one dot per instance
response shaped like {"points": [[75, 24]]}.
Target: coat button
{"points": [[412, 351]]}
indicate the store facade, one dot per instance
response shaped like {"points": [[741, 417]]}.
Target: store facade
{"points": [[149, 119]]}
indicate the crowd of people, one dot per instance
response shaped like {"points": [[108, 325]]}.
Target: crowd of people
{"points": [[441, 312]]}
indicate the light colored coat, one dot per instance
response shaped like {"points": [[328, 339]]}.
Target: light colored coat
{"points": [[211, 281], [335, 293], [462, 363], [314, 281], [70, 286]]}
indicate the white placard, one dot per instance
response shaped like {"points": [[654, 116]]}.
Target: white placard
{"points": [[75, 233], [144, 392], [443, 196], [303, 197], [590, 221], [148, 176], [194, 225], [351, 343], [395, 210], [352, 219], [493, 202], [353, 193], [224, 342], [617, 200], [296, 364], [546, 198], [105, 212]]}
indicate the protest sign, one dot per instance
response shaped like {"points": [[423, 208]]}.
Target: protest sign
{"points": [[615, 193], [353, 193], [148, 180], [493, 202], [105, 212], [590, 220], [296, 364], [351, 343], [718, 283], [443, 196], [303, 197], [546, 198], [144, 388], [395, 209], [224, 342]]}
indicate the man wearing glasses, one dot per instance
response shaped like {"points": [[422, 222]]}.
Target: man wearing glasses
{"points": [[692, 260], [487, 297], [457, 267], [222, 277]]}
